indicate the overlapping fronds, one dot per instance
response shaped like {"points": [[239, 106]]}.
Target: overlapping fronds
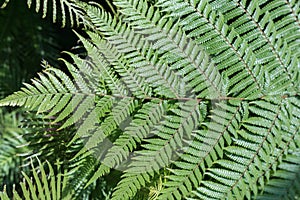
{"points": [[233, 54], [140, 56], [183, 55], [199, 97], [205, 149], [141, 126], [167, 144]]}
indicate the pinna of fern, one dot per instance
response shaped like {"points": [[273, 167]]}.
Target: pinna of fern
{"points": [[206, 93]]}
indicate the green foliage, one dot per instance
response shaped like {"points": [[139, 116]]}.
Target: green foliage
{"points": [[187, 99], [10, 138], [44, 184]]}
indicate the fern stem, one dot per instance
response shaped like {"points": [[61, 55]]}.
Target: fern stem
{"points": [[285, 96]]}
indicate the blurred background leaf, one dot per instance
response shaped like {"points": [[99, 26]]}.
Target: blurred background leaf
{"points": [[26, 39]]}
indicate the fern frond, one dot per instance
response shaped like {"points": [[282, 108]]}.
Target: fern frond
{"points": [[80, 170], [55, 94], [129, 76], [170, 136], [143, 100], [143, 123], [116, 86], [29, 93], [285, 14], [159, 152], [70, 12], [285, 182], [230, 52], [254, 26], [46, 95], [145, 120], [288, 24], [206, 148], [130, 184], [185, 56], [139, 54], [11, 147], [119, 113], [246, 161]]}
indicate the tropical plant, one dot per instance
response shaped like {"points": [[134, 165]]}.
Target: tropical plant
{"points": [[177, 99]]}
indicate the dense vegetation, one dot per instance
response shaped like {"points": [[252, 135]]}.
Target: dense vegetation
{"points": [[159, 99]]}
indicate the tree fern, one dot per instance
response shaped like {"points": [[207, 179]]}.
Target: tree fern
{"points": [[198, 99]]}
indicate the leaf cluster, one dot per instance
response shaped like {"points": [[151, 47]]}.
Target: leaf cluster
{"points": [[187, 99]]}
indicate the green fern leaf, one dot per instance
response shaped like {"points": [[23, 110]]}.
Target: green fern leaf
{"points": [[159, 151], [144, 121], [207, 27], [168, 38], [140, 54], [189, 99], [261, 27]]}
